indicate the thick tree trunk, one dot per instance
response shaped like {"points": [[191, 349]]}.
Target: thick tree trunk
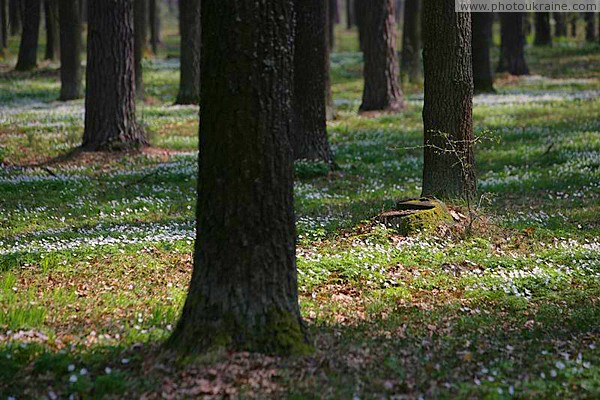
{"points": [[560, 24], [244, 299], [14, 16], [52, 30], [543, 34], [382, 89], [483, 79], [3, 24], [309, 130], [590, 27], [189, 26], [140, 26], [27, 59], [154, 22], [110, 83], [349, 14], [512, 49], [70, 53], [411, 67], [448, 170]]}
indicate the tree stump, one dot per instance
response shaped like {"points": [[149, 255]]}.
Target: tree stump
{"points": [[416, 215]]}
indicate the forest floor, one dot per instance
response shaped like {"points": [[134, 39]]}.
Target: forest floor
{"points": [[96, 250]]}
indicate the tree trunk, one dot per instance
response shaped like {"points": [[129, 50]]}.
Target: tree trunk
{"points": [[110, 83], [359, 10], [448, 170], [83, 5], [70, 53], [411, 66], [560, 24], [483, 79], [14, 16], [27, 59], [512, 49], [331, 22], [309, 130], [52, 30], [349, 14], [244, 299], [574, 19], [3, 24], [330, 107], [140, 26], [189, 26], [590, 27], [543, 34], [154, 22], [382, 89]]}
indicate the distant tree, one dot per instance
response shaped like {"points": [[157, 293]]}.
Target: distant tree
{"points": [[309, 130], [359, 11], [543, 34], [512, 48], [3, 24], [110, 121], [330, 107], [411, 67], [27, 59], [333, 18], [70, 53], [349, 14], [15, 11], [140, 26], [381, 89], [560, 24], [448, 169], [481, 28], [189, 77], [154, 22], [590, 27], [573, 19], [244, 299], [52, 30]]}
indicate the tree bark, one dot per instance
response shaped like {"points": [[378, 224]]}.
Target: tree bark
{"points": [[448, 170], [309, 128], [411, 68], [189, 78], [560, 24], [140, 26], [27, 59], [483, 79], [381, 90], [110, 122], [512, 49], [243, 291], [52, 30], [543, 34], [154, 22], [590, 27], [14, 16], [70, 53], [3, 24]]}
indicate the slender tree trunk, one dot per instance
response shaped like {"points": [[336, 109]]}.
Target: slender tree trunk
{"points": [[140, 25], [349, 14], [154, 22], [27, 59], [3, 24], [189, 26], [512, 49], [333, 10], [309, 130], [52, 30], [543, 34], [83, 5], [448, 170], [70, 54], [483, 79], [110, 121], [411, 67], [590, 27], [560, 24], [244, 299], [574, 19], [14, 16], [330, 107], [360, 7], [382, 89]]}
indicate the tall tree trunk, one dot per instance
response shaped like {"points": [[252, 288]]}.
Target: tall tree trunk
{"points": [[70, 53], [573, 20], [309, 130], [560, 24], [360, 7], [382, 89], [3, 26], [244, 299], [333, 10], [330, 107], [140, 26], [52, 30], [27, 59], [512, 49], [543, 34], [349, 14], [154, 22], [14, 16], [590, 27], [83, 5], [110, 83], [483, 79], [189, 26], [448, 170], [411, 66]]}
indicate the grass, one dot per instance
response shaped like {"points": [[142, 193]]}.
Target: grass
{"points": [[96, 251]]}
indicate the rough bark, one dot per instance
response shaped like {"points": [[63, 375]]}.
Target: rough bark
{"points": [[381, 90], [154, 22], [411, 67], [560, 24], [543, 34], [14, 16], [590, 27], [448, 170], [3, 24], [512, 48], [110, 83], [243, 291], [481, 29], [27, 59], [309, 130], [140, 27], [189, 78], [52, 30], [70, 53]]}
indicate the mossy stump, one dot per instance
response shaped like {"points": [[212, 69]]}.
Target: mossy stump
{"points": [[416, 215]]}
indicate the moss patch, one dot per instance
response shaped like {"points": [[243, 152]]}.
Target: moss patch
{"points": [[416, 215]]}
